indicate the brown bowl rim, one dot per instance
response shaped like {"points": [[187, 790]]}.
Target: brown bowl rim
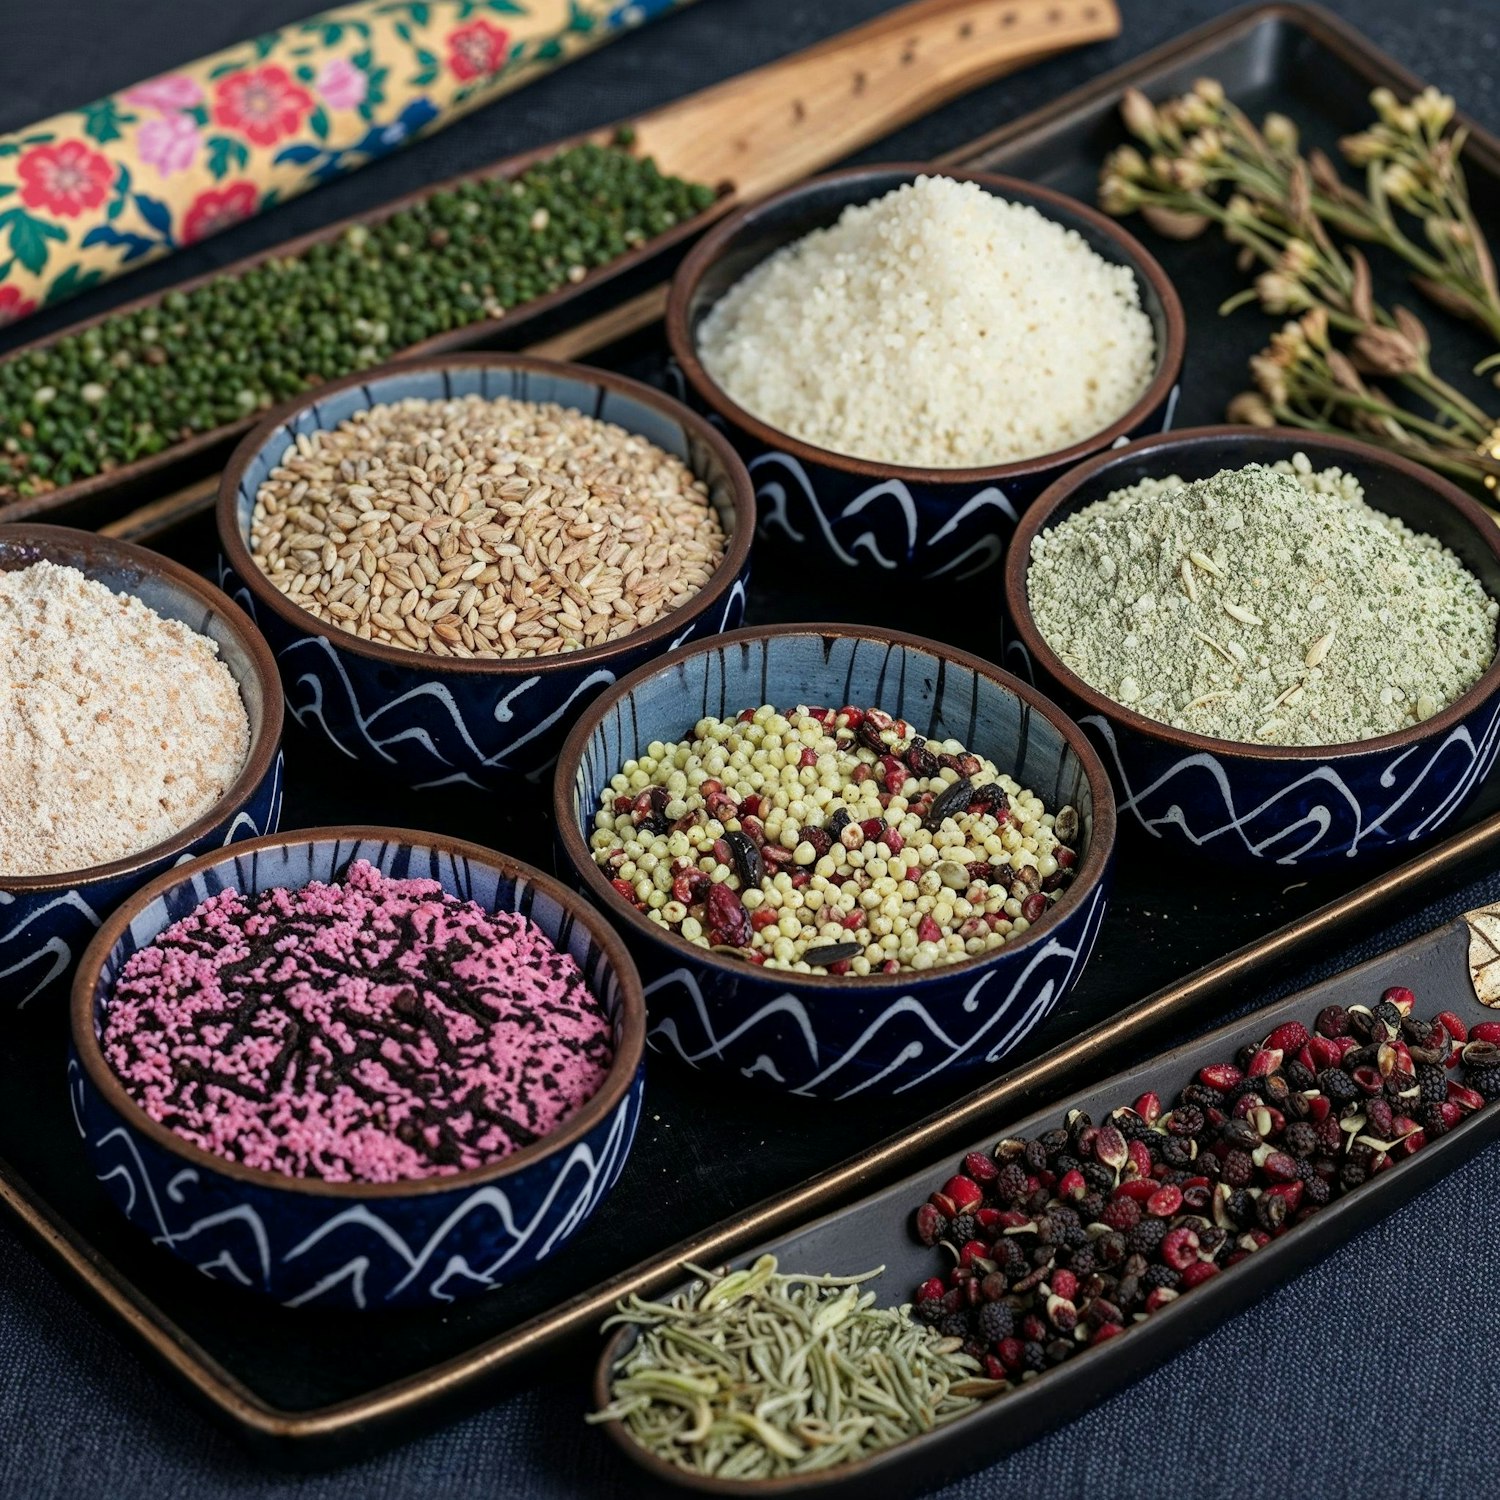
{"points": [[1091, 870], [263, 752], [1140, 260], [1056, 495], [731, 565], [609, 1095]]}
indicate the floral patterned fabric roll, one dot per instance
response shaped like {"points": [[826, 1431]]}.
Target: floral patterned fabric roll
{"points": [[96, 190]]}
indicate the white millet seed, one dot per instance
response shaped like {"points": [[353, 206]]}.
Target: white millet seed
{"points": [[869, 337]]}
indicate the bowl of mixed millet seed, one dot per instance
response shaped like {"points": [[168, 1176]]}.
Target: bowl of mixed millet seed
{"points": [[847, 862], [451, 556]]}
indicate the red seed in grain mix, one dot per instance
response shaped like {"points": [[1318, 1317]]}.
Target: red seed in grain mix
{"points": [[369, 1030]]}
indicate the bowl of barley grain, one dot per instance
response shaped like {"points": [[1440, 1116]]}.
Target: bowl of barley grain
{"points": [[450, 557]]}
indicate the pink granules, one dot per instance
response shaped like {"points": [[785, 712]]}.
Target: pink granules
{"points": [[376, 1030]]}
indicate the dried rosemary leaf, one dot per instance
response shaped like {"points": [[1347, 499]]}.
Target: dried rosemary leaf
{"points": [[752, 1374]]}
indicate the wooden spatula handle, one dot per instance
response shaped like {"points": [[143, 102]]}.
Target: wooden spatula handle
{"points": [[765, 129]]}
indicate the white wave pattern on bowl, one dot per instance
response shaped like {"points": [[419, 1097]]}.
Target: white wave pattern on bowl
{"points": [[327, 674], [238, 1237], [969, 546], [1367, 824], [72, 914], [1040, 1003]]}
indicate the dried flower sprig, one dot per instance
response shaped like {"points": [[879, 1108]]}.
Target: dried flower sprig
{"points": [[1303, 380], [1282, 210], [1202, 143], [1410, 160]]}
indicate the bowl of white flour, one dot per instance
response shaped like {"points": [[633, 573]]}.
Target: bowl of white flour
{"points": [[140, 724]]}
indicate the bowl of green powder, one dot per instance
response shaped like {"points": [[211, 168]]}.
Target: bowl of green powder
{"points": [[1282, 642]]}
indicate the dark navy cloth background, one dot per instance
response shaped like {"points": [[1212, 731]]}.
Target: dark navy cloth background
{"points": [[1373, 1375]]}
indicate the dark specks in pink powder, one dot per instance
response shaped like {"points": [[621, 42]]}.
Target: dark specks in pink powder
{"points": [[374, 1030]]}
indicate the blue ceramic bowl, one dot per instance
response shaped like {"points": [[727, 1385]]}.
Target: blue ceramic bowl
{"points": [[352, 1244], [817, 1035], [1292, 805], [47, 920], [432, 721], [854, 513]]}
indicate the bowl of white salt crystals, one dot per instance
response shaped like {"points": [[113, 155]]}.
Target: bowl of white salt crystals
{"points": [[140, 725], [1283, 643], [906, 358], [450, 557]]}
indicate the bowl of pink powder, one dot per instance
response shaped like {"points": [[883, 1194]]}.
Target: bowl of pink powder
{"points": [[358, 1067]]}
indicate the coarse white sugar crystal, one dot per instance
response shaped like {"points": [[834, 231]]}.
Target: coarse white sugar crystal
{"points": [[938, 326]]}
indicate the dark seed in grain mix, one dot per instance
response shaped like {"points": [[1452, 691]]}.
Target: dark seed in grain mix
{"points": [[484, 528], [831, 841]]}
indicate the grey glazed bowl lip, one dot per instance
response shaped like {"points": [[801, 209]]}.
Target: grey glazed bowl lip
{"points": [[1058, 207], [267, 595], [1057, 495], [611, 1093], [1091, 870], [48, 542]]}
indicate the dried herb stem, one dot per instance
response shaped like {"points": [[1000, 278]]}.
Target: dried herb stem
{"points": [[751, 1374]]}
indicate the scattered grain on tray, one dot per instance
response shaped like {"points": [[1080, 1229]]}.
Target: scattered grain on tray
{"points": [[939, 325], [1266, 605], [484, 528], [118, 728], [145, 379]]}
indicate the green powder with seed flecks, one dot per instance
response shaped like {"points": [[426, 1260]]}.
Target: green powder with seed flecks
{"points": [[1269, 605]]}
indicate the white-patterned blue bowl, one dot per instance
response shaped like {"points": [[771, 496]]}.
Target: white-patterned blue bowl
{"points": [[433, 721], [1293, 805], [47, 920], [822, 1036], [350, 1244], [857, 513]]}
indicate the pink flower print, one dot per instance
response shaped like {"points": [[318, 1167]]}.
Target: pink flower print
{"points": [[170, 144], [167, 94], [14, 306], [341, 85]]}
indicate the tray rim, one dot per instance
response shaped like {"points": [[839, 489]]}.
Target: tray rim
{"points": [[278, 1429]]}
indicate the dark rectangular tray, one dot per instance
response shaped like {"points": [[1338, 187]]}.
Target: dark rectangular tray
{"points": [[716, 1169], [876, 1231]]}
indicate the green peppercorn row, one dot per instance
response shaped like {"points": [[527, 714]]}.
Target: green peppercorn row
{"points": [[139, 382]]}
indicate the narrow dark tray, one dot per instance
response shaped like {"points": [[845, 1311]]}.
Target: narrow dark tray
{"points": [[715, 1169], [94, 501], [876, 1232]]}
